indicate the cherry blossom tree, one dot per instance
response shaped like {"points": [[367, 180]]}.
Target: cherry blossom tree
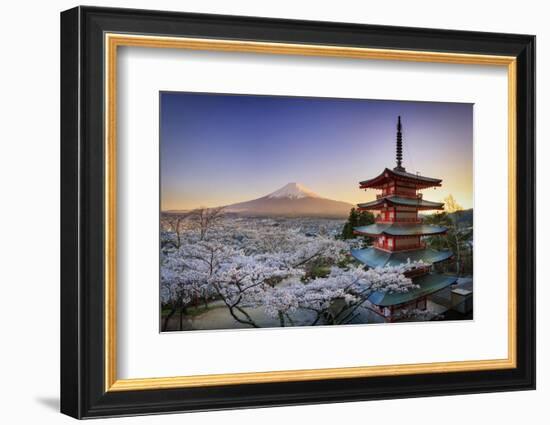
{"points": [[352, 285], [172, 227], [206, 218], [254, 265]]}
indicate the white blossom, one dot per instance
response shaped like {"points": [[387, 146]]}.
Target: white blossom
{"points": [[249, 263]]}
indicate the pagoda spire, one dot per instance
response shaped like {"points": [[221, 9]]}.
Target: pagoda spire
{"points": [[399, 146]]}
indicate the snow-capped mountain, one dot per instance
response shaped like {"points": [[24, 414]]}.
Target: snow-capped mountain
{"points": [[292, 200], [293, 191]]}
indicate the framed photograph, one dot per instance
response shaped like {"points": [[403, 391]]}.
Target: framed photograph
{"points": [[261, 212]]}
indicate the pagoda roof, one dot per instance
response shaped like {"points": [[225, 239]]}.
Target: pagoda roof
{"points": [[373, 257], [421, 182], [418, 203], [399, 229], [428, 284]]}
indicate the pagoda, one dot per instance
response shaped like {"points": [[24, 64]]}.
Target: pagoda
{"points": [[398, 234]]}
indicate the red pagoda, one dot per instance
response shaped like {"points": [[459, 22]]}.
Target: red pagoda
{"points": [[398, 236]]}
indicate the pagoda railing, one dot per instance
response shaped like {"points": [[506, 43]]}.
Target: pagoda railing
{"points": [[419, 271], [401, 220], [386, 247]]}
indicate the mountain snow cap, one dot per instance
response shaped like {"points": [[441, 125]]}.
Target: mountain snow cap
{"points": [[293, 191]]}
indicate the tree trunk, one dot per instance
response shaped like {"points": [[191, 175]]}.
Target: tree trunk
{"points": [[182, 312], [248, 320], [167, 318], [178, 238], [281, 319]]}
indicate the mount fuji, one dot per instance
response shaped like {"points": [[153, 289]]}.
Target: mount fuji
{"points": [[292, 200]]}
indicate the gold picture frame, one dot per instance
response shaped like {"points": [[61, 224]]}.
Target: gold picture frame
{"points": [[114, 41]]}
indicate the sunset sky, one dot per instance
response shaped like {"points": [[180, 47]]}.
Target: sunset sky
{"points": [[220, 149]]}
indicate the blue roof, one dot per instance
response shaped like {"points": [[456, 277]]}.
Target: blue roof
{"points": [[428, 284], [400, 229], [399, 200], [373, 257]]}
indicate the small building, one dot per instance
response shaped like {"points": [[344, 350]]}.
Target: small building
{"points": [[398, 232]]}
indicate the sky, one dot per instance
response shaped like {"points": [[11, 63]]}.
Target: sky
{"points": [[218, 149]]}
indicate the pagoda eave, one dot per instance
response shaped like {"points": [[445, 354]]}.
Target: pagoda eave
{"points": [[399, 201], [420, 182], [396, 229], [427, 285], [378, 207], [373, 257]]}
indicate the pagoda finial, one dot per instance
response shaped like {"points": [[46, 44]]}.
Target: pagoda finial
{"points": [[399, 146]]}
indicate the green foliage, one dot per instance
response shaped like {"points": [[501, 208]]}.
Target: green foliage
{"points": [[317, 271], [365, 218], [355, 219], [346, 260], [457, 239], [438, 219], [319, 267]]}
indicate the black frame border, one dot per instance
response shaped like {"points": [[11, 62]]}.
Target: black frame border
{"points": [[82, 205]]}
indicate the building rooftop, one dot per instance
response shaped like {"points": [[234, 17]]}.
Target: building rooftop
{"points": [[428, 284], [421, 182], [399, 229], [418, 203], [373, 257]]}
